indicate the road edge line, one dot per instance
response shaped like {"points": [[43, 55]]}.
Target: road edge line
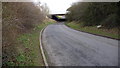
{"points": [[41, 48]]}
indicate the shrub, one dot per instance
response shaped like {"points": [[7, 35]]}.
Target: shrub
{"points": [[17, 18]]}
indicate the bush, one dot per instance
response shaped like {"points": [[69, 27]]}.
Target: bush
{"points": [[94, 13], [111, 21], [17, 18]]}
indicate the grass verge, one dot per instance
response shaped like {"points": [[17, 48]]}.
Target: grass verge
{"points": [[112, 33], [28, 48]]}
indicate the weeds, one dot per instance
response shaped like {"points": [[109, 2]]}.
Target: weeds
{"points": [[113, 33]]}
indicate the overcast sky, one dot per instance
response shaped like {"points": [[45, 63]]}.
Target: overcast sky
{"points": [[58, 6]]}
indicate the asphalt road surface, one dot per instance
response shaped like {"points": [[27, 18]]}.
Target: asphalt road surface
{"points": [[67, 47]]}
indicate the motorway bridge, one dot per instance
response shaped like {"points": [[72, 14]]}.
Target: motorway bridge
{"points": [[58, 17]]}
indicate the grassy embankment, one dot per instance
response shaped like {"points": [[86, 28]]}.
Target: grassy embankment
{"points": [[29, 48], [113, 33], [21, 24]]}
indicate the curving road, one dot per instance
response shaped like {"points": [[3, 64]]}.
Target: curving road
{"points": [[67, 47]]}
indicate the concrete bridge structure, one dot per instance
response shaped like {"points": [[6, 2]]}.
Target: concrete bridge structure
{"points": [[58, 17]]}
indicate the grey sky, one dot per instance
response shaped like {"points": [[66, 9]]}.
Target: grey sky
{"points": [[58, 6]]}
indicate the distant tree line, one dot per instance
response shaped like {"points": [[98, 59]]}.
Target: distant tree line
{"points": [[95, 13]]}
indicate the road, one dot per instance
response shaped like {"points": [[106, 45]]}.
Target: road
{"points": [[67, 47]]}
